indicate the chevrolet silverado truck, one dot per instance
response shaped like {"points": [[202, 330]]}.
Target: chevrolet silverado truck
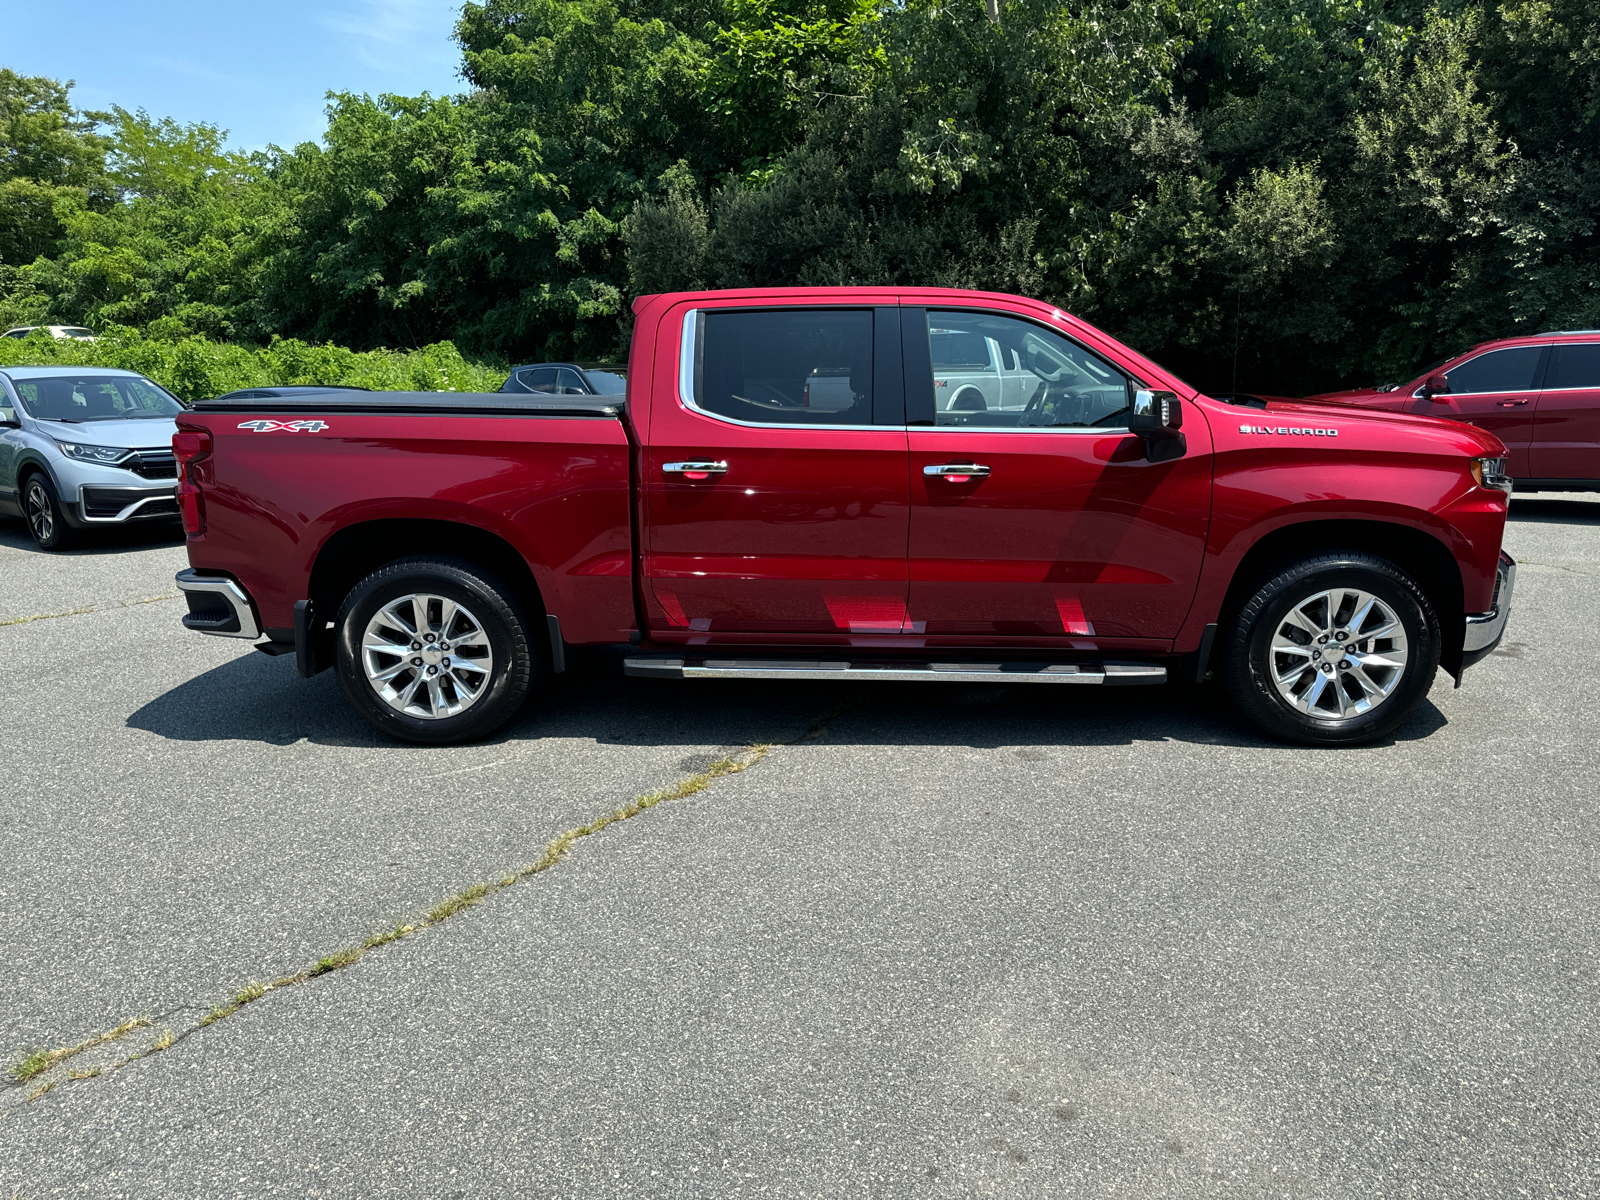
{"points": [[781, 495]]}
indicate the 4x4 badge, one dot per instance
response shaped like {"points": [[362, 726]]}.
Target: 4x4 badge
{"points": [[290, 426], [1289, 430]]}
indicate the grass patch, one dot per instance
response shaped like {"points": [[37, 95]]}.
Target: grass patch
{"points": [[30, 1064], [161, 1043], [249, 992]]}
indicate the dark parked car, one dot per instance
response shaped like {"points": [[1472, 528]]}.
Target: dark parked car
{"points": [[568, 379], [1539, 394]]}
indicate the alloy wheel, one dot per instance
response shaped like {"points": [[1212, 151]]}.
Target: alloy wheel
{"points": [[41, 514], [1338, 654], [427, 656]]}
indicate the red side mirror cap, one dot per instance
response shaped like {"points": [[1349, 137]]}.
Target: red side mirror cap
{"points": [[1436, 385]]}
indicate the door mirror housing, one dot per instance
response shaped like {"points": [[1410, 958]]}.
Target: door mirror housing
{"points": [[1156, 418], [1435, 385]]}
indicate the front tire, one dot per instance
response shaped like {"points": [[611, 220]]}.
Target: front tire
{"points": [[434, 650], [1336, 649], [42, 507]]}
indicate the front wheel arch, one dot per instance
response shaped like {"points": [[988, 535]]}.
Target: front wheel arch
{"points": [[1423, 556]]}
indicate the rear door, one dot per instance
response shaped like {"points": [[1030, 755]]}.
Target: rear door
{"points": [[1062, 532], [775, 475], [1566, 423]]}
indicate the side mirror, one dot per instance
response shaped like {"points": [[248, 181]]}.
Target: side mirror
{"points": [[1156, 418], [1435, 385]]}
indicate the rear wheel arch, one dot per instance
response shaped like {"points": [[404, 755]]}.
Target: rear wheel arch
{"points": [[1415, 551], [355, 551]]}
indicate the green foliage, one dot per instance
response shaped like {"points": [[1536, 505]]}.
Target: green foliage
{"points": [[194, 368], [1282, 195]]}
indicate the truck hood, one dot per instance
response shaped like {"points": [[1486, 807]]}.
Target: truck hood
{"points": [[140, 433], [1401, 427], [1364, 395]]}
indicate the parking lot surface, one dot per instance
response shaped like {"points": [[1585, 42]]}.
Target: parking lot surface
{"points": [[930, 941]]}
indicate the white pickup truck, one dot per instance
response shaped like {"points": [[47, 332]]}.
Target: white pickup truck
{"points": [[975, 373]]}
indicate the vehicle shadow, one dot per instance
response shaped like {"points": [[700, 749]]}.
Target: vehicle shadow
{"points": [[255, 698], [1548, 510], [93, 542]]}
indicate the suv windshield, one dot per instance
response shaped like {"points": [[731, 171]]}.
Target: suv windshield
{"points": [[79, 398], [1419, 373]]}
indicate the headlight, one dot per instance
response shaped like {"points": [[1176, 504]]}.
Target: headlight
{"points": [[1491, 473], [94, 454]]}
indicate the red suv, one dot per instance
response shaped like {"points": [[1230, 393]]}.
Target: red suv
{"points": [[1540, 395]]}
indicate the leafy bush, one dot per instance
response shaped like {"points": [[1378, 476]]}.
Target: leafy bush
{"points": [[195, 368]]}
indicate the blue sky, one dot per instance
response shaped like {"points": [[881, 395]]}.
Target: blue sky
{"points": [[258, 70]]}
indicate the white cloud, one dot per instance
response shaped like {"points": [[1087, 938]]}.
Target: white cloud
{"points": [[397, 35]]}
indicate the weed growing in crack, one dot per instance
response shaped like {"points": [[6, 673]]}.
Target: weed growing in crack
{"points": [[86, 1073], [41, 1090], [36, 1062], [218, 1011], [30, 1064], [554, 852]]}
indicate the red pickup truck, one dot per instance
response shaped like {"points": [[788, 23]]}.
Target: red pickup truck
{"points": [[850, 483]]}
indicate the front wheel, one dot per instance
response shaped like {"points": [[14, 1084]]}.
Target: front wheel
{"points": [[42, 506], [1333, 650], [434, 650]]}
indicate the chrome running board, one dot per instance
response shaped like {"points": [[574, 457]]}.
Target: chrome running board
{"points": [[1111, 673]]}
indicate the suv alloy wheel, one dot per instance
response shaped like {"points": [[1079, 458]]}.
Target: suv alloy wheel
{"points": [[1334, 650], [42, 506], [434, 650]]}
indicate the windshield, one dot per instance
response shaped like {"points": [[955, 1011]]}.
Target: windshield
{"points": [[80, 398], [1420, 372]]}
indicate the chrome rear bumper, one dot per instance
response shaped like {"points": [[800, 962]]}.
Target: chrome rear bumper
{"points": [[217, 605]]}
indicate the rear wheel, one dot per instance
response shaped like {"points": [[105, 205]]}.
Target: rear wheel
{"points": [[1333, 650], [434, 650], [42, 506]]}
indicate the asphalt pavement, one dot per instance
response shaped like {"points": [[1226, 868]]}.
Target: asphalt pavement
{"points": [[929, 941]]}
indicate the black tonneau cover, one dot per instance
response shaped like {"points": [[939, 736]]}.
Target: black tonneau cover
{"points": [[427, 404]]}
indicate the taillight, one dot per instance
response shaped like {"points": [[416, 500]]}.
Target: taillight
{"points": [[189, 446]]}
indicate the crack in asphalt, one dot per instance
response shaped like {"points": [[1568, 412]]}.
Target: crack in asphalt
{"points": [[47, 1063], [109, 606]]}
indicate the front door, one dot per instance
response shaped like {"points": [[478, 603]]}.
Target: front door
{"points": [[1566, 424], [775, 477], [1062, 529], [1497, 392]]}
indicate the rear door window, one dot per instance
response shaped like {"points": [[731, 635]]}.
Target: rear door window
{"points": [[1509, 370], [538, 379], [1573, 366], [783, 367]]}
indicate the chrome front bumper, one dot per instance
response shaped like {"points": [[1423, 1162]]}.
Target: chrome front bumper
{"points": [[217, 605], [1485, 629]]}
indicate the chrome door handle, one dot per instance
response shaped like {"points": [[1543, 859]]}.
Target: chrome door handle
{"points": [[957, 472], [1510, 403], [700, 468]]}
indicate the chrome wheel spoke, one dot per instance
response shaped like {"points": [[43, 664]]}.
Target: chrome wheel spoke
{"points": [[398, 671], [1335, 635]]}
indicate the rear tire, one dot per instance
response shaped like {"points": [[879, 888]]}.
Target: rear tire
{"points": [[1336, 649], [41, 505], [434, 651]]}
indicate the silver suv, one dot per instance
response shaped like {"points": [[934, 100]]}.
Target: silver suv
{"points": [[82, 447]]}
